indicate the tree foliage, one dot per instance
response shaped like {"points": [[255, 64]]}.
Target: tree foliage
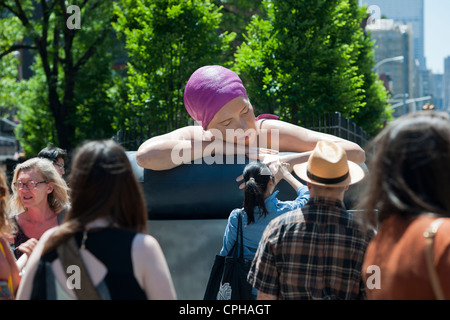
{"points": [[311, 57], [237, 14], [65, 100], [166, 41], [296, 57], [375, 110]]}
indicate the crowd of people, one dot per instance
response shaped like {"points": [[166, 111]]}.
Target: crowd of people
{"points": [[103, 230], [311, 247]]}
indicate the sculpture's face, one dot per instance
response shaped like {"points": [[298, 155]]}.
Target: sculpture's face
{"points": [[236, 122]]}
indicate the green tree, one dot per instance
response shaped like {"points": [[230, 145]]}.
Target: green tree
{"points": [[375, 111], [65, 101], [237, 14], [166, 41], [310, 57], [30, 103]]}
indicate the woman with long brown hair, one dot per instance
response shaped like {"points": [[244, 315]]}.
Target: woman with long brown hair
{"points": [[409, 188], [107, 222]]}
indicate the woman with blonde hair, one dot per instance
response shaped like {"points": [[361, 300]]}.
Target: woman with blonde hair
{"points": [[104, 234], [39, 201], [9, 272]]}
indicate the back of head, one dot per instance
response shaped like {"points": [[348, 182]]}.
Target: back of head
{"points": [[409, 169], [103, 185], [53, 153], [256, 176]]}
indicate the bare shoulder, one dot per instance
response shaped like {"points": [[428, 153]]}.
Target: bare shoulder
{"points": [[274, 124], [145, 243], [297, 132], [283, 127], [292, 137], [444, 229]]}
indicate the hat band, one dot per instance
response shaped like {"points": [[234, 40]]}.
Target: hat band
{"points": [[327, 180]]}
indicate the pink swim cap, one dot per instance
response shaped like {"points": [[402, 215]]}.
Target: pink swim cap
{"points": [[210, 88]]}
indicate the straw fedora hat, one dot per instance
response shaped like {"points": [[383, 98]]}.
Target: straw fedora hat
{"points": [[328, 166]]}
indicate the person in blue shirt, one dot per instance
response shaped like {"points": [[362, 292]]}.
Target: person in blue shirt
{"points": [[261, 205]]}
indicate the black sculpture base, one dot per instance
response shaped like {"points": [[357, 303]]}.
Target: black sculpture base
{"points": [[203, 191]]}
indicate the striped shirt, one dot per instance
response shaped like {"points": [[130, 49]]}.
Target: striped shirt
{"points": [[315, 252]]}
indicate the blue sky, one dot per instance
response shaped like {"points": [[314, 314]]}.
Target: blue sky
{"points": [[437, 33]]}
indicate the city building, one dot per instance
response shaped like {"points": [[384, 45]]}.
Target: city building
{"points": [[395, 61], [437, 90], [407, 12], [446, 84]]}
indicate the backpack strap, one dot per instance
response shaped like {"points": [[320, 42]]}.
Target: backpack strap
{"points": [[69, 255]]}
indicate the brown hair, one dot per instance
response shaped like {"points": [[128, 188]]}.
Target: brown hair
{"points": [[5, 230], [103, 185], [409, 167], [256, 177]]}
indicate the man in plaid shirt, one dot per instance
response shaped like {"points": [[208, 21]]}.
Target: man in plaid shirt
{"points": [[315, 252]]}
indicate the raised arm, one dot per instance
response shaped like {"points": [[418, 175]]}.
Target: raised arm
{"points": [[284, 172]]}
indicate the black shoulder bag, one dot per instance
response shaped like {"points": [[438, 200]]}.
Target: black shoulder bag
{"points": [[228, 278]]}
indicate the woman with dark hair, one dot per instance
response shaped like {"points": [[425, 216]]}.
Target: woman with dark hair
{"points": [[261, 205], [409, 186], [107, 225], [57, 156]]}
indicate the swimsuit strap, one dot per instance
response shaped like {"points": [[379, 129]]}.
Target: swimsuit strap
{"points": [[267, 116]]}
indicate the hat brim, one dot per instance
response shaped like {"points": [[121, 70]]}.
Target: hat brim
{"points": [[356, 174]]}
